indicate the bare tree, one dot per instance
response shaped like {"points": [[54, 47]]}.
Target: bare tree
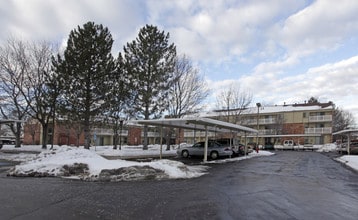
{"points": [[26, 79], [232, 101], [41, 89], [188, 91], [13, 69], [342, 119]]}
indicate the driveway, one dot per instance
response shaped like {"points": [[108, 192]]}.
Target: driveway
{"points": [[288, 185]]}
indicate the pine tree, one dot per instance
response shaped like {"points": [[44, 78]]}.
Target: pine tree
{"points": [[85, 70], [150, 59], [120, 100]]}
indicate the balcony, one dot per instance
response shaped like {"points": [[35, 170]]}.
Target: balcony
{"points": [[151, 134], [320, 118], [262, 121], [104, 131], [268, 132], [325, 130], [198, 134]]}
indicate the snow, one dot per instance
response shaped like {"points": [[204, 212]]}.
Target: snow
{"points": [[46, 162], [326, 147], [52, 162], [349, 160]]}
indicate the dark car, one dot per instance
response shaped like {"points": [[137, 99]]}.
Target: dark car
{"points": [[353, 147]]}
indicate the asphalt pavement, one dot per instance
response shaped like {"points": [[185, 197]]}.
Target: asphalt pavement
{"points": [[288, 185]]}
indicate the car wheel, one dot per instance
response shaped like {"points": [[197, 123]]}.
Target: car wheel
{"points": [[185, 153], [234, 154], [214, 155]]}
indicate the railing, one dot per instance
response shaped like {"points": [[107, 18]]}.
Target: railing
{"points": [[156, 134], [104, 131], [319, 118], [325, 130], [268, 132], [151, 134], [198, 134], [261, 121]]}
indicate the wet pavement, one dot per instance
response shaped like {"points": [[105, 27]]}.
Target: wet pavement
{"points": [[288, 185]]}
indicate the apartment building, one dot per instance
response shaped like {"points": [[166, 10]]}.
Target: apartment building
{"points": [[306, 123]]}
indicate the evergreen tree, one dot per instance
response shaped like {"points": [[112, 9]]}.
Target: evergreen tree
{"points": [[120, 100], [150, 60], [85, 71]]}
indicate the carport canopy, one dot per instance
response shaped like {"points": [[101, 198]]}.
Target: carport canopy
{"points": [[197, 123], [348, 133], [8, 121]]}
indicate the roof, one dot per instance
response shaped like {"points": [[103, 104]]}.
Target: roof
{"points": [[197, 124], [347, 131], [270, 109], [4, 121]]}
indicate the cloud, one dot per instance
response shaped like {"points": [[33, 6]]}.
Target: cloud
{"points": [[323, 25], [53, 20], [282, 51], [335, 82], [220, 29]]}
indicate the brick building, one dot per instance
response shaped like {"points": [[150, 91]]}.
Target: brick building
{"points": [[307, 123]]}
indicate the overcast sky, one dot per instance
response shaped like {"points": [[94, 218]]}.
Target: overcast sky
{"points": [[280, 50]]}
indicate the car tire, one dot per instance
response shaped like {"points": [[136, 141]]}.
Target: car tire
{"points": [[185, 153], [234, 154], [214, 155]]}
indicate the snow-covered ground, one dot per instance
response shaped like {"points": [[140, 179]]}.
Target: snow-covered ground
{"points": [[78, 163]]}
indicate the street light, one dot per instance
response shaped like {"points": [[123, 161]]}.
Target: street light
{"points": [[257, 134]]}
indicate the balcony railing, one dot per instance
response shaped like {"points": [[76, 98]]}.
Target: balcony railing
{"points": [[156, 134], [326, 130], [268, 132], [262, 121], [319, 118], [104, 131], [198, 134]]}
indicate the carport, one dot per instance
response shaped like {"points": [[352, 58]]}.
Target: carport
{"points": [[202, 124], [348, 133]]}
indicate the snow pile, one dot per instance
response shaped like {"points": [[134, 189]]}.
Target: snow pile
{"points": [[21, 157], [250, 155], [327, 147], [349, 160], [87, 165], [126, 151]]}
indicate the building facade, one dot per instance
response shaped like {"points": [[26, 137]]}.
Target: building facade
{"points": [[307, 123]]}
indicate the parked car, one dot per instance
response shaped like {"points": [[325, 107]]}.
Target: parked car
{"points": [[288, 145], [353, 147], [236, 147], [268, 146], [215, 150]]}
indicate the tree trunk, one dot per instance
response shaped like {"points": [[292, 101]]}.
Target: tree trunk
{"points": [[145, 144], [18, 135], [44, 135]]}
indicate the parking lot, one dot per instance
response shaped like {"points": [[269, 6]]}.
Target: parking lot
{"points": [[288, 185]]}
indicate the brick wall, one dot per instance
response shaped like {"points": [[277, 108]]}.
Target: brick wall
{"points": [[294, 128], [134, 136]]}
